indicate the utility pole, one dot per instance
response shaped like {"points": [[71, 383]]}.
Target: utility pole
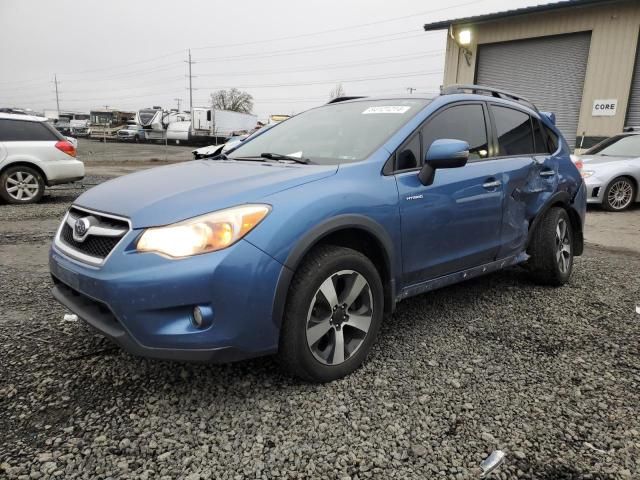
{"points": [[411, 90], [190, 84], [178, 100], [55, 80]]}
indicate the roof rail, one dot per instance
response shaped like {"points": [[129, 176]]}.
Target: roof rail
{"points": [[495, 92]]}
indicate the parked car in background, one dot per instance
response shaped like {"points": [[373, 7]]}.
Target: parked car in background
{"points": [[231, 142], [131, 133], [33, 155], [213, 150], [611, 171], [299, 240]]}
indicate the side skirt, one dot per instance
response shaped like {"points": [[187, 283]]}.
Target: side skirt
{"points": [[461, 276]]}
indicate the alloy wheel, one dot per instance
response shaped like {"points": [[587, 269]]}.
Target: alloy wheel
{"points": [[563, 246], [22, 186], [339, 317], [620, 194]]}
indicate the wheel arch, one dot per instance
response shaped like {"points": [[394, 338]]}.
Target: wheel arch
{"points": [[563, 200], [352, 231], [630, 176], [26, 163]]}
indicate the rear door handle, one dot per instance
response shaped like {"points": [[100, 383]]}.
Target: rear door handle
{"points": [[492, 184], [547, 173]]}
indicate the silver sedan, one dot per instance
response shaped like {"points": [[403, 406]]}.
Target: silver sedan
{"points": [[611, 171]]}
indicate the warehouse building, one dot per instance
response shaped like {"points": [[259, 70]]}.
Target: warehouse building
{"points": [[577, 58]]}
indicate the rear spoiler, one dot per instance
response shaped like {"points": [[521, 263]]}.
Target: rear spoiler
{"points": [[549, 116]]}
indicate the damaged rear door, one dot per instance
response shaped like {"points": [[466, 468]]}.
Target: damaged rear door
{"points": [[530, 173]]}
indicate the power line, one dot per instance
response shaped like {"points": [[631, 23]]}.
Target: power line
{"points": [[372, 61], [315, 48], [338, 29], [363, 79], [262, 41]]}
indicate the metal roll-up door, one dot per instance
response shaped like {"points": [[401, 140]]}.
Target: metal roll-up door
{"points": [[549, 71], [633, 110]]}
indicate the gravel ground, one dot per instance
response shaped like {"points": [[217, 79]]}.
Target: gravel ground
{"points": [[551, 376]]}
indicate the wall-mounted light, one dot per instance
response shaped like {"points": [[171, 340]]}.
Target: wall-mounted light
{"points": [[464, 37]]}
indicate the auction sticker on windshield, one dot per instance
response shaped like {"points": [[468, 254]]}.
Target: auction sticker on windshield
{"points": [[387, 109]]}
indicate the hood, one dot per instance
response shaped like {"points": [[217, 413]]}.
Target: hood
{"points": [[164, 195], [603, 159]]}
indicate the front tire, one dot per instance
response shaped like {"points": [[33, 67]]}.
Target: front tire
{"points": [[619, 195], [21, 185], [551, 249], [333, 312]]}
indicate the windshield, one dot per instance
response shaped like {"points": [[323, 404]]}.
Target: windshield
{"points": [[621, 146], [334, 133]]}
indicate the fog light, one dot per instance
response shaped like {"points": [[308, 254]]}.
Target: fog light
{"points": [[198, 318]]}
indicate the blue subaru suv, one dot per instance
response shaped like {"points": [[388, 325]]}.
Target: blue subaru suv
{"points": [[299, 241]]}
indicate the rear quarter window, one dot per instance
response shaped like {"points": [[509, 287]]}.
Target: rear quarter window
{"points": [[26, 131], [513, 128], [552, 139]]}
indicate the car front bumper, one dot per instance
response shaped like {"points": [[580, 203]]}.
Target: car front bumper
{"points": [[144, 302], [595, 190]]}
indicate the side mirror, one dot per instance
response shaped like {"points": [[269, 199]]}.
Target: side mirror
{"points": [[443, 153]]}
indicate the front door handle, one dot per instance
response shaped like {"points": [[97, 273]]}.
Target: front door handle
{"points": [[547, 173], [492, 184]]}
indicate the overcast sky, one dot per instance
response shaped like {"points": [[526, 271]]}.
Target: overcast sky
{"points": [[288, 54]]}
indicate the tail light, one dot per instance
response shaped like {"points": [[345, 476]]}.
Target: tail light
{"points": [[66, 147]]}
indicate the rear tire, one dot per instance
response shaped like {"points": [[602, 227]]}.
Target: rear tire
{"points": [[551, 249], [21, 185], [333, 312], [619, 195]]}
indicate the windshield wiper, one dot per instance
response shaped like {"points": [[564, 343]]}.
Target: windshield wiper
{"points": [[219, 156], [279, 156], [248, 159]]}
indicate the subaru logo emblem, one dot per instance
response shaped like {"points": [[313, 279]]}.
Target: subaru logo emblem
{"points": [[81, 226]]}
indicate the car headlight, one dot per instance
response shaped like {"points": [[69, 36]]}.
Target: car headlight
{"points": [[586, 173], [206, 233]]}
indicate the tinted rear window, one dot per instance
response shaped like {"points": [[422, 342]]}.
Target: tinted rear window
{"points": [[26, 131], [513, 128], [552, 139]]}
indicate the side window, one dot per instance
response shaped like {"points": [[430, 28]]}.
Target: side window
{"points": [[513, 128], [461, 122], [24, 130], [538, 138], [408, 156]]}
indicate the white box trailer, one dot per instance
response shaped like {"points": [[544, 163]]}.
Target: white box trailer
{"points": [[178, 132], [216, 125]]}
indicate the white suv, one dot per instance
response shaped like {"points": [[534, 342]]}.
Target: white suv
{"points": [[33, 155]]}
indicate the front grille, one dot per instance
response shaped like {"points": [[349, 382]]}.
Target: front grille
{"points": [[95, 244]]}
